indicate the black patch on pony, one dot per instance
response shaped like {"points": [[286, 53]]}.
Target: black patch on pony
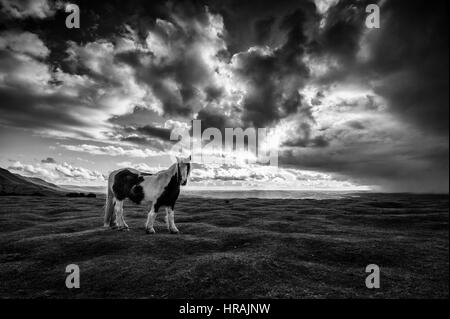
{"points": [[126, 185], [171, 192]]}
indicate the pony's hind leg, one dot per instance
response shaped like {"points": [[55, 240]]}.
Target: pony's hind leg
{"points": [[150, 221], [166, 218], [121, 225]]}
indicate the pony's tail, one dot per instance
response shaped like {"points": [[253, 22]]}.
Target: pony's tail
{"points": [[109, 208]]}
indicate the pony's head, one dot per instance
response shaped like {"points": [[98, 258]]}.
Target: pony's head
{"points": [[184, 169]]}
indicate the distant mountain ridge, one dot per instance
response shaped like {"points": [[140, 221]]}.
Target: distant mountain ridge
{"points": [[86, 189], [15, 184]]}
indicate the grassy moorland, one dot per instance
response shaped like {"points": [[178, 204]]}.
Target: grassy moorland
{"points": [[228, 248]]}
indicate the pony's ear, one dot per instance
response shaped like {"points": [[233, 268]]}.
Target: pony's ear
{"points": [[189, 158], [178, 159]]}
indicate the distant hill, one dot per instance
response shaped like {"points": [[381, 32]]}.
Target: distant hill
{"points": [[40, 182], [15, 184], [86, 189]]}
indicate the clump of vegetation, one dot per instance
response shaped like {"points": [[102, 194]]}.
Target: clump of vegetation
{"points": [[89, 195]]}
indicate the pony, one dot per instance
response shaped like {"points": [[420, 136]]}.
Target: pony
{"points": [[160, 190]]}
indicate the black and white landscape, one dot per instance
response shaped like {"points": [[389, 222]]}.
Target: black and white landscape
{"points": [[354, 94], [229, 248]]}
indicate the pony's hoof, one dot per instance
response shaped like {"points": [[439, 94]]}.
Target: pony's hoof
{"points": [[174, 231], [123, 228], [149, 231]]}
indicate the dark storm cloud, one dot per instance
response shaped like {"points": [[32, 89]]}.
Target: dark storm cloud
{"points": [[318, 141], [146, 135], [343, 29], [183, 66], [48, 160], [158, 132], [405, 62], [392, 170], [33, 111], [303, 138], [213, 93], [255, 22], [407, 56], [412, 56], [211, 118], [274, 78], [356, 125], [134, 128], [139, 116], [187, 69], [263, 29]]}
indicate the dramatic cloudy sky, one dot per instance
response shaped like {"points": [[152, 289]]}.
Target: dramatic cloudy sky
{"points": [[351, 107]]}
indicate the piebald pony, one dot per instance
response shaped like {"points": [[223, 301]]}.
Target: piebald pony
{"points": [[161, 190]]}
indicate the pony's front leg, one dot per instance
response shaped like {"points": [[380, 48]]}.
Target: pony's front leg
{"points": [[170, 220], [150, 221]]}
